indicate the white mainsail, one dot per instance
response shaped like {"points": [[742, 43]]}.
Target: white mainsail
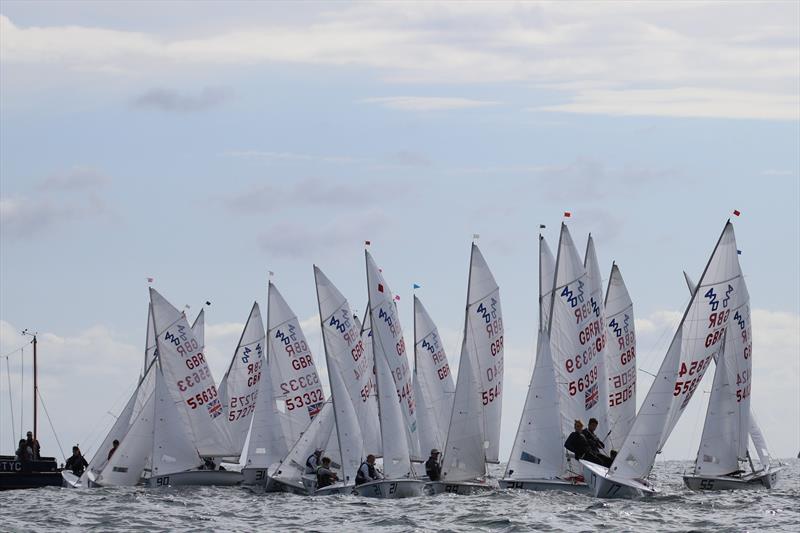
{"points": [[388, 343], [725, 432], [433, 382], [186, 370], [577, 340], [620, 359], [759, 442], [538, 451], [348, 433], [173, 451], [344, 344], [316, 435], [698, 339], [134, 452], [240, 386], [295, 380], [199, 329]]}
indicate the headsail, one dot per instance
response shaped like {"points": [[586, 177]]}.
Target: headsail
{"points": [[173, 451]]}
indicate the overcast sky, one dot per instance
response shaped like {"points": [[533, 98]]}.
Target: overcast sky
{"points": [[204, 144]]}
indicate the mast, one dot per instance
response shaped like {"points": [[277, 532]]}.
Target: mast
{"points": [[330, 379], [35, 387]]}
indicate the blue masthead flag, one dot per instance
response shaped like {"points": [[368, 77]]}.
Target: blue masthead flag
{"points": [[416, 286]]}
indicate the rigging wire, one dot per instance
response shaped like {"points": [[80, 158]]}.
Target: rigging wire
{"points": [[53, 429], [15, 350], [21, 389], [11, 404]]}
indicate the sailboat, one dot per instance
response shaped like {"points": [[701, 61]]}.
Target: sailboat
{"points": [[474, 432], [397, 408], [700, 337], [729, 420], [569, 377], [190, 412], [434, 389]]}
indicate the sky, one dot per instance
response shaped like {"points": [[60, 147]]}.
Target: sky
{"points": [[205, 144]]}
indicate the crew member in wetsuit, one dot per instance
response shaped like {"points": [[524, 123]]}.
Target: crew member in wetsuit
{"points": [[113, 449], [76, 462], [326, 476], [595, 444], [33, 444], [312, 463], [576, 442], [367, 471], [432, 466]]}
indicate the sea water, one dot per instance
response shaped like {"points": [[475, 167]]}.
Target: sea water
{"points": [[242, 509]]}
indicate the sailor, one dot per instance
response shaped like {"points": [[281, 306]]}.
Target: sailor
{"points": [[576, 442], [33, 444], [23, 453], [76, 462], [432, 466], [367, 471], [312, 463], [208, 464], [595, 444], [326, 476], [113, 449]]}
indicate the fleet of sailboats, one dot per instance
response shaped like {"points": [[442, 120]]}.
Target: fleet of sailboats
{"points": [[269, 416]]}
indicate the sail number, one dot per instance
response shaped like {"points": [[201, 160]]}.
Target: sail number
{"points": [[697, 369], [583, 383], [194, 379], [202, 397], [308, 398], [488, 396], [309, 380]]}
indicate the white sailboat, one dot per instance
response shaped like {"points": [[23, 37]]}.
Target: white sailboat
{"points": [[723, 455], [395, 395], [538, 459], [434, 389], [699, 338], [474, 430], [194, 398], [620, 359]]}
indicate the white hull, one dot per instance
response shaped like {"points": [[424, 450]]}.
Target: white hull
{"points": [[259, 477], [336, 488], [196, 477], [284, 486], [456, 487], [545, 484], [70, 480], [601, 485], [391, 488], [757, 480]]}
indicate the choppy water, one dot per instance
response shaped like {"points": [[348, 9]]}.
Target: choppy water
{"points": [[242, 509]]}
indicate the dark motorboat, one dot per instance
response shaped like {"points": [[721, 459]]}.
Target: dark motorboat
{"points": [[28, 474]]}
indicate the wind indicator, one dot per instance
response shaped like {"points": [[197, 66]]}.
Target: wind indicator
{"points": [[736, 212], [567, 214]]}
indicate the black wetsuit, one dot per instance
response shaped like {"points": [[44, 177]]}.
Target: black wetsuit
{"points": [[577, 444], [325, 477], [76, 464], [433, 469]]}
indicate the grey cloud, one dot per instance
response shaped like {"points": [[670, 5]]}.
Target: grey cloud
{"points": [[409, 159], [168, 100], [76, 179]]}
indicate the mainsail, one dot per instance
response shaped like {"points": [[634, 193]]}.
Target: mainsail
{"points": [[698, 339], [433, 382], [240, 386], [189, 379], [388, 343], [620, 359]]}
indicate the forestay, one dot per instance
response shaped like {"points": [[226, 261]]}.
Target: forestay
{"points": [[239, 387], [296, 382], [577, 340], [697, 341], [433, 382], [189, 379], [343, 341], [173, 451], [387, 337], [727, 425], [538, 451], [620, 359]]}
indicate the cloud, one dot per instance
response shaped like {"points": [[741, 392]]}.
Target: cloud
{"points": [[75, 180], [427, 103], [173, 101], [617, 58], [404, 158], [288, 156]]}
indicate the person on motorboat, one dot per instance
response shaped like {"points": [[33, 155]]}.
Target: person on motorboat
{"points": [[367, 471], [114, 447], [432, 466], [313, 462], [325, 475], [595, 444], [23, 453], [76, 462], [33, 444]]}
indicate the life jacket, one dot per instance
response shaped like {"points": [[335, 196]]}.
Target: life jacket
{"points": [[360, 478]]}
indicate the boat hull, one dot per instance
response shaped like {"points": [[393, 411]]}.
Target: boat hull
{"points": [[456, 487], [601, 485], [196, 477], [28, 474], [755, 481], [336, 488], [284, 486], [577, 487], [391, 488]]}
